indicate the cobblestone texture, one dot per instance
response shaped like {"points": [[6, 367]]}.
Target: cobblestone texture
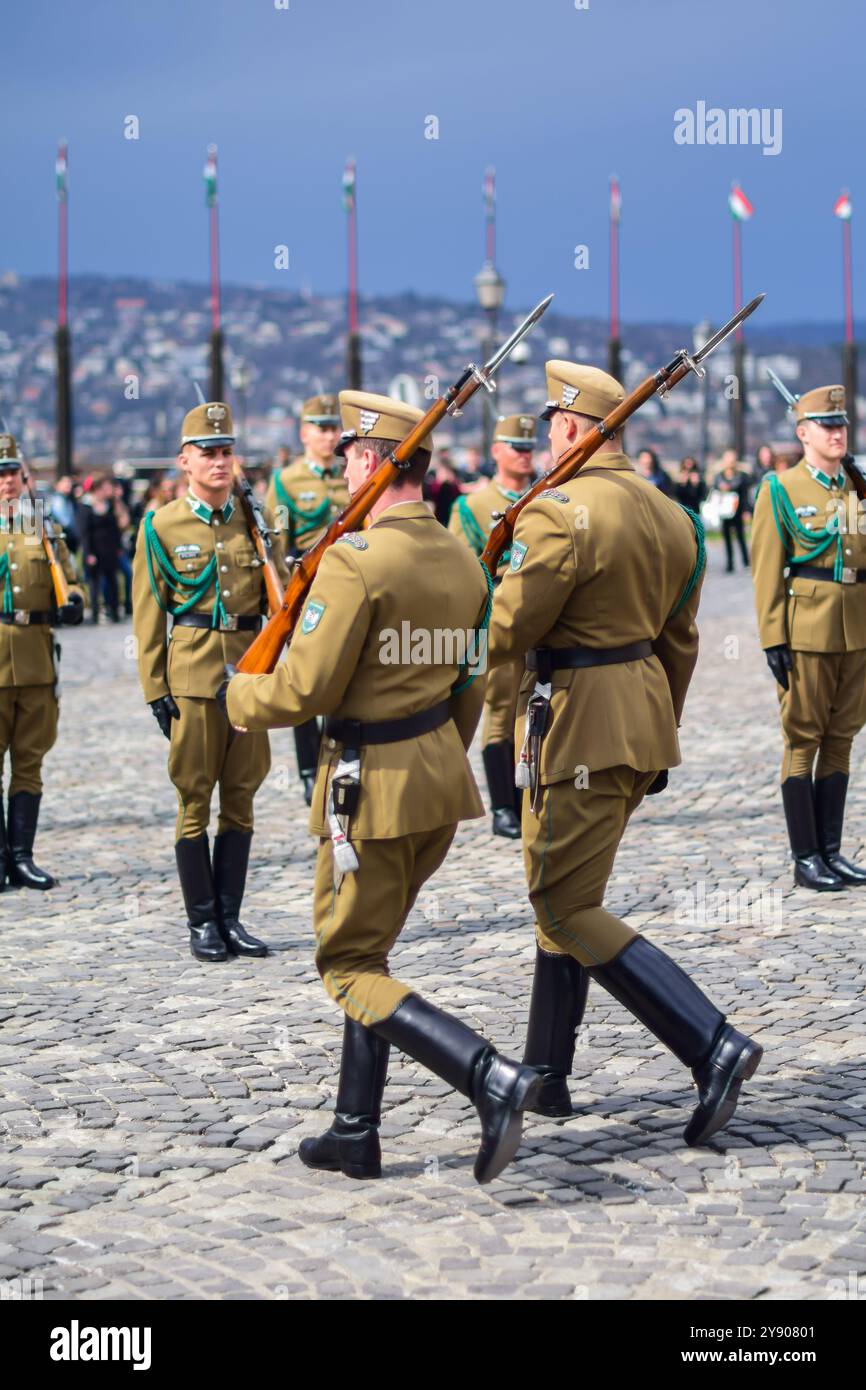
{"points": [[152, 1107]]}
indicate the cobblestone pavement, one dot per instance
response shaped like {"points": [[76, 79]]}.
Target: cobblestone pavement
{"points": [[152, 1107]]}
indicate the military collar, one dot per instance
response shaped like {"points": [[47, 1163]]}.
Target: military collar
{"points": [[824, 479], [619, 461], [401, 511], [507, 493], [206, 513], [319, 470]]}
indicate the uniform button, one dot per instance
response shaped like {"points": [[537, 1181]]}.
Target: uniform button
{"points": [[847, 552], [16, 588], [216, 521], [226, 593], [14, 567], [791, 593], [189, 567], [220, 545], [332, 743], [225, 568]]}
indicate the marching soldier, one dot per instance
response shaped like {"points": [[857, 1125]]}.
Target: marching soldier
{"points": [[472, 518], [601, 595], [29, 706], [195, 561], [304, 497], [809, 563], [392, 784]]}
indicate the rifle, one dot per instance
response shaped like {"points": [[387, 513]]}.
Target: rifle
{"points": [[574, 458], [261, 535], [262, 655], [58, 578], [858, 481]]}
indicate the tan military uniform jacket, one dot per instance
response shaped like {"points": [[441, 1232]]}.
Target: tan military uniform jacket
{"points": [[308, 486], [191, 660], [602, 562], [27, 653], [378, 595], [482, 504], [810, 615]]}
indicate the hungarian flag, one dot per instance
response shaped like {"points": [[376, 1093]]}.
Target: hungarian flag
{"points": [[615, 198], [60, 171], [210, 177], [739, 204], [349, 186], [842, 206], [488, 189]]}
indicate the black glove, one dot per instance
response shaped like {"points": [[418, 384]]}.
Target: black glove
{"points": [[780, 662], [658, 783], [222, 689], [165, 710], [72, 613]]}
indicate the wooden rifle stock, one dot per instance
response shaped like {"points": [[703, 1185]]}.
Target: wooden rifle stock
{"points": [[858, 481], [261, 540], [58, 578]]}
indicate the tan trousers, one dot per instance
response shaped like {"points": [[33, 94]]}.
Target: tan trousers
{"points": [[569, 846], [500, 703], [206, 750], [357, 924], [28, 728], [822, 711]]}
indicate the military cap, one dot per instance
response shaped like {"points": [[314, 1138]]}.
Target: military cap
{"points": [[320, 410], [208, 425], [377, 417], [516, 430], [582, 390], [10, 460], [826, 404]]}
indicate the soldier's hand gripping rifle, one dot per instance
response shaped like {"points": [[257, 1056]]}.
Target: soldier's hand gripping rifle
{"points": [[261, 536], [263, 654], [858, 481], [574, 458], [47, 535]]}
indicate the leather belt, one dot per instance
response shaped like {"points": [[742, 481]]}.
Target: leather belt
{"points": [[23, 617], [547, 659], [849, 574], [235, 622], [352, 733]]}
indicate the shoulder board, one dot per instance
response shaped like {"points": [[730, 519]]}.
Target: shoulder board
{"points": [[555, 495], [354, 539]]}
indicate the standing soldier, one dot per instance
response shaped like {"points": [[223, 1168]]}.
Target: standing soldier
{"points": [[304, 497], [472, 518], [395, 765], [809, 563], [29, 706], [195, 560], [601, 595]]}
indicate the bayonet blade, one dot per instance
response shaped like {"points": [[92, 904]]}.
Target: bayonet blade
{"points": [[727, 329], [511, 343], [787, 396]]}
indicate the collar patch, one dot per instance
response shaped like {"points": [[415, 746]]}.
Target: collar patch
{"points": [[554, 494], [354, 539]]}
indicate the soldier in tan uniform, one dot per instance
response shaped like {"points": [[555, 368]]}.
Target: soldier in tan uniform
{"points": [[382, 650], [600, 598], [304, 497], [472, 518], [195, 561], [809, 567], [28, 678]]}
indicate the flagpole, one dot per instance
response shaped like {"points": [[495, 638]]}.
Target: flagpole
{"points": [[217, 380], [354, 373], [849, 348], [738, 402], [490, 289], [614, 353], [63, 343]]}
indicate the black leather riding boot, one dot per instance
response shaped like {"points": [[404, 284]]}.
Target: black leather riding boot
{"points": [[498, 759], [351, 1145], [499, 1088], [4, 849], [663, 998], [307, 741], [231, 855], [810, 870], [830, 793], [23, 820], [196, 884], [559, 990]]}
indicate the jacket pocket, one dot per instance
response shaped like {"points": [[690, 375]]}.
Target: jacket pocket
{"points": [[802, 606]]}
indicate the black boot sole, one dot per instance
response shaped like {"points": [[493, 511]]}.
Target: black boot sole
{"points": [[820, 887], [360, 1171], [207, 959], [508, 1130], [15, 882], [703, 1126]]}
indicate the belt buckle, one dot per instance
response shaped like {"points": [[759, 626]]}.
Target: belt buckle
{"points": [[849, 575], [22, 617], [231, 623]]}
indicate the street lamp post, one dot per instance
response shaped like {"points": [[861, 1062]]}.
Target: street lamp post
{"points": [[699, 337], [490, 289]]}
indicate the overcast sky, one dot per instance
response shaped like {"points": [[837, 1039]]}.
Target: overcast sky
{"points": [[556, 97]]}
